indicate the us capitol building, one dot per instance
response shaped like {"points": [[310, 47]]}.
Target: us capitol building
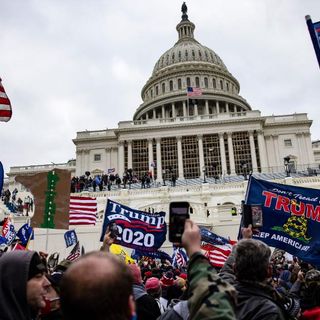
{"points": [[210, 142]]}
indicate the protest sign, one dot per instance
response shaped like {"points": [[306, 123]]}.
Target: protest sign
{"points": [[70, 238], [137, 229], [291, 217], [8, 231], [25, 233]]}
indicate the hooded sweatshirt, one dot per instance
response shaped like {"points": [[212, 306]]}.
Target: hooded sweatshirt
{"points": [[14, 269]]}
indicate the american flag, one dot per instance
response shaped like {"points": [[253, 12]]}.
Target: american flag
{"points": [[180, 258], [194, 91], [75, 252], [82, 210], [5, 105], [217, 254]]}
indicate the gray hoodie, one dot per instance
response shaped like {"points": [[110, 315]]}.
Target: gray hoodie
{"points": [[14, 269]]}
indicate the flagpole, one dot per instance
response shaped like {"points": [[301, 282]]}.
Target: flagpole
{"points": [[47, 238]]}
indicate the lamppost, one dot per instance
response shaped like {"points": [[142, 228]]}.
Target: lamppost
{"points": [[204, 170], [286, 161], [244, 166]]}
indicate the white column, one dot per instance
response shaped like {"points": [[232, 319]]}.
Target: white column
{"points": [[201, 156], [253, 152], [308, 144], [86, 161], [195, 108], [120, 170], [207, 107], [222, 154], [129, 154], [217, 107], [108, 160], [302, 152], [154, 113], [79, 156], [173, 110], [184, 103], [262, 152], [279, 162], [150, 156], [180, 158], [227, 107], [159, 163], [231, 154], [163, 112]]}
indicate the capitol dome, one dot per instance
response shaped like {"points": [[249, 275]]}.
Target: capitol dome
{"points": [[189, 64]]}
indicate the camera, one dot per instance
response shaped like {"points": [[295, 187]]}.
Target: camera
{"points": [[178, 213], [252, 214]]}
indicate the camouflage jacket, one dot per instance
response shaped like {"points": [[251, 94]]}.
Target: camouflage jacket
{"points": [[210, 297]]}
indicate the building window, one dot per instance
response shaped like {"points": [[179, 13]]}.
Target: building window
{"points": [[214, 83], [179, 56], [188, 82], [163, 88], [227, 86], [287, 143], [171, 85], [190, 155], [157, 90], [197, 82], [221, 84], [140, 158], [97, 157], [179, 83], [151, 93], [206, 82]]}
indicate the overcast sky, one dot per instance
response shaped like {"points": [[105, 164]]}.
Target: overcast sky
{"points": [[72, 65]]}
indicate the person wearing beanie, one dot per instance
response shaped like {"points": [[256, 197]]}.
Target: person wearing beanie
{"points": [[146, 306], [153, 287], [23, 285]]}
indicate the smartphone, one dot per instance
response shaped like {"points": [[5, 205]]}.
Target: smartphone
{"points": [[178, 213], [252, 214], [257, 218], [114, 232]]}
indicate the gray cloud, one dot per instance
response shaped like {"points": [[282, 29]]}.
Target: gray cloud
{"points": [[74, 65]]}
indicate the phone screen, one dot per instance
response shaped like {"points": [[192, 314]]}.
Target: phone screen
{"points": [[179, 212], [257, 219]]}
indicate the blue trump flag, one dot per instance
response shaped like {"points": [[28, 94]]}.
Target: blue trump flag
{"points": [[291, 218], [70, 238], [212, 238], [159, 254], [136, 229], [25, 233], [1, 177]]}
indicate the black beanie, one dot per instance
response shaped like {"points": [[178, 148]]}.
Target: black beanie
{"points": [[36, 266]]}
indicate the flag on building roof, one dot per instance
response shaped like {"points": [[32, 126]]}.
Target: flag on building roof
{"points": [[75, 253], [5, 105], [217, 254], [83, 210], [194, 91]]}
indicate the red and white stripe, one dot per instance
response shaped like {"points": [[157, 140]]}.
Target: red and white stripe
{"points": [[5, 105], [83, 211], [218, 254], [75, 253]]}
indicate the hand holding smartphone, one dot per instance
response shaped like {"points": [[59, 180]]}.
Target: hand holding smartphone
{"points": [[178, 214]]}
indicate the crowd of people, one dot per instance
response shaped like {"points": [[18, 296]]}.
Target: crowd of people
{"points": [[15, 203], [110, 181], [252, 284]]}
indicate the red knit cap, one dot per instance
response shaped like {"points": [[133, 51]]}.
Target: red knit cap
{"points": [[153, 284]]}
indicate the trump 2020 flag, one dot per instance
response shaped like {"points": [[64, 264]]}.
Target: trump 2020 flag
{"points": [[291, 217], [179, 258], [136, 229]]}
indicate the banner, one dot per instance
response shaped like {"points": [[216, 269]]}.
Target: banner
{"points": [[291, 217], [212, 238], [1, 177], [120, 252], [179, 257], [8, 231], [25, 233], [159, 254], [314, 31], [137, 229], [51, 191], [70, 238]]}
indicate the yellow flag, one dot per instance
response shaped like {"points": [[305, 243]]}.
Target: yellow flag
{"points": [[119, 251]]}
